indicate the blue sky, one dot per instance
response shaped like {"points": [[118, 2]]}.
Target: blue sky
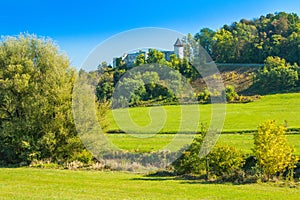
{"points": [[78, 26]]}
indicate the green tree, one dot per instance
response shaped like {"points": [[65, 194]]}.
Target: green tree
{"points": [[186, 69], [35, 93], [117, 74], [140, 60], [131, 89], [291, 47], [223, 46], [245, 35], [105, 86], [277, 75], [190, 45], [205, 39], [151, 80], [155, 56], [175, 62], [272, 150], [190, 162], [252, 41], [120, 64]]}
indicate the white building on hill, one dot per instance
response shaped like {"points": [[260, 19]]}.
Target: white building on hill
{"points": [[131, 57]]}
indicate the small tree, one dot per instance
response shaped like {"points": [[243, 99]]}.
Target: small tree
{"points": [[230, 93], [277, 75], [225, 160], [272, 150], [190, 162]]}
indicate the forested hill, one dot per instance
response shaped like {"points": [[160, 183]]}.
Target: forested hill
{"points": [[271, 43], [252, 41]]}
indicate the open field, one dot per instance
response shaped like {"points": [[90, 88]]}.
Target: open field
{"points": [[243, 142], [26, 183], [239, 117]]}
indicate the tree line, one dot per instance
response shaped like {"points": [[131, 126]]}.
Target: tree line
{"points": [[252, 41]]}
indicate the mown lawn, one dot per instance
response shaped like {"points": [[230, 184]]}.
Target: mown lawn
{"points": [[239, 117], [243, 142], [26, 183]]}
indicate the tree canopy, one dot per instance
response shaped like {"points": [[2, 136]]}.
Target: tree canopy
{"points": [[252, 41], [35, 101]]}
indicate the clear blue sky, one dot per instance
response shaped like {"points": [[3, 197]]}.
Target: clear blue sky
{"points": [[78, 26]]}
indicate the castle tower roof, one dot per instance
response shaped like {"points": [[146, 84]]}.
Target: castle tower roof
{"points": [[178, 43]]}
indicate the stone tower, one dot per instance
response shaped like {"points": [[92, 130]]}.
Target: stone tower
{"points": [[178, 49]]}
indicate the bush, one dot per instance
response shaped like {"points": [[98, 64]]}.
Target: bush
{"points": [[204, 97], [190, 162], [225, 160], [272, 150], [84, 156], [47, 164], [276, 76], [231, 95]]}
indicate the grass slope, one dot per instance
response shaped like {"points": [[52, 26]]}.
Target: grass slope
{"points": [[243, 142], [239, 117], [25, 183]]}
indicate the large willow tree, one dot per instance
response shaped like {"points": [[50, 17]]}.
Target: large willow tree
{"points": [[35, 101]]}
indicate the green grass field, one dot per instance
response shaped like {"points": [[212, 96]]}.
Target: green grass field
{"points": [[26, 183], [239, 117], [243, 142]]}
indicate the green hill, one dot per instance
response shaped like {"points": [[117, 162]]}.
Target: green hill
{"points": [[239, 117]]}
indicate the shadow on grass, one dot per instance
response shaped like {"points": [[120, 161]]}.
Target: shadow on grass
{"points": [[158, 176], [11, 166], [221, 182], [184, 180], [153, 179], [192, 179], [166, 175]]}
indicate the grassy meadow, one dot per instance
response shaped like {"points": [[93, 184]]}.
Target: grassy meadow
{"points": [[243, 142], [26, 183], [29, 183], [239, 117]]}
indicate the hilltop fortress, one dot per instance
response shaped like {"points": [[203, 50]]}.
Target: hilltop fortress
{"points": [[129, 58]]}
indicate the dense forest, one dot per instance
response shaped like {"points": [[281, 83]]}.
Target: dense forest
{"points": [[252, 41]]}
